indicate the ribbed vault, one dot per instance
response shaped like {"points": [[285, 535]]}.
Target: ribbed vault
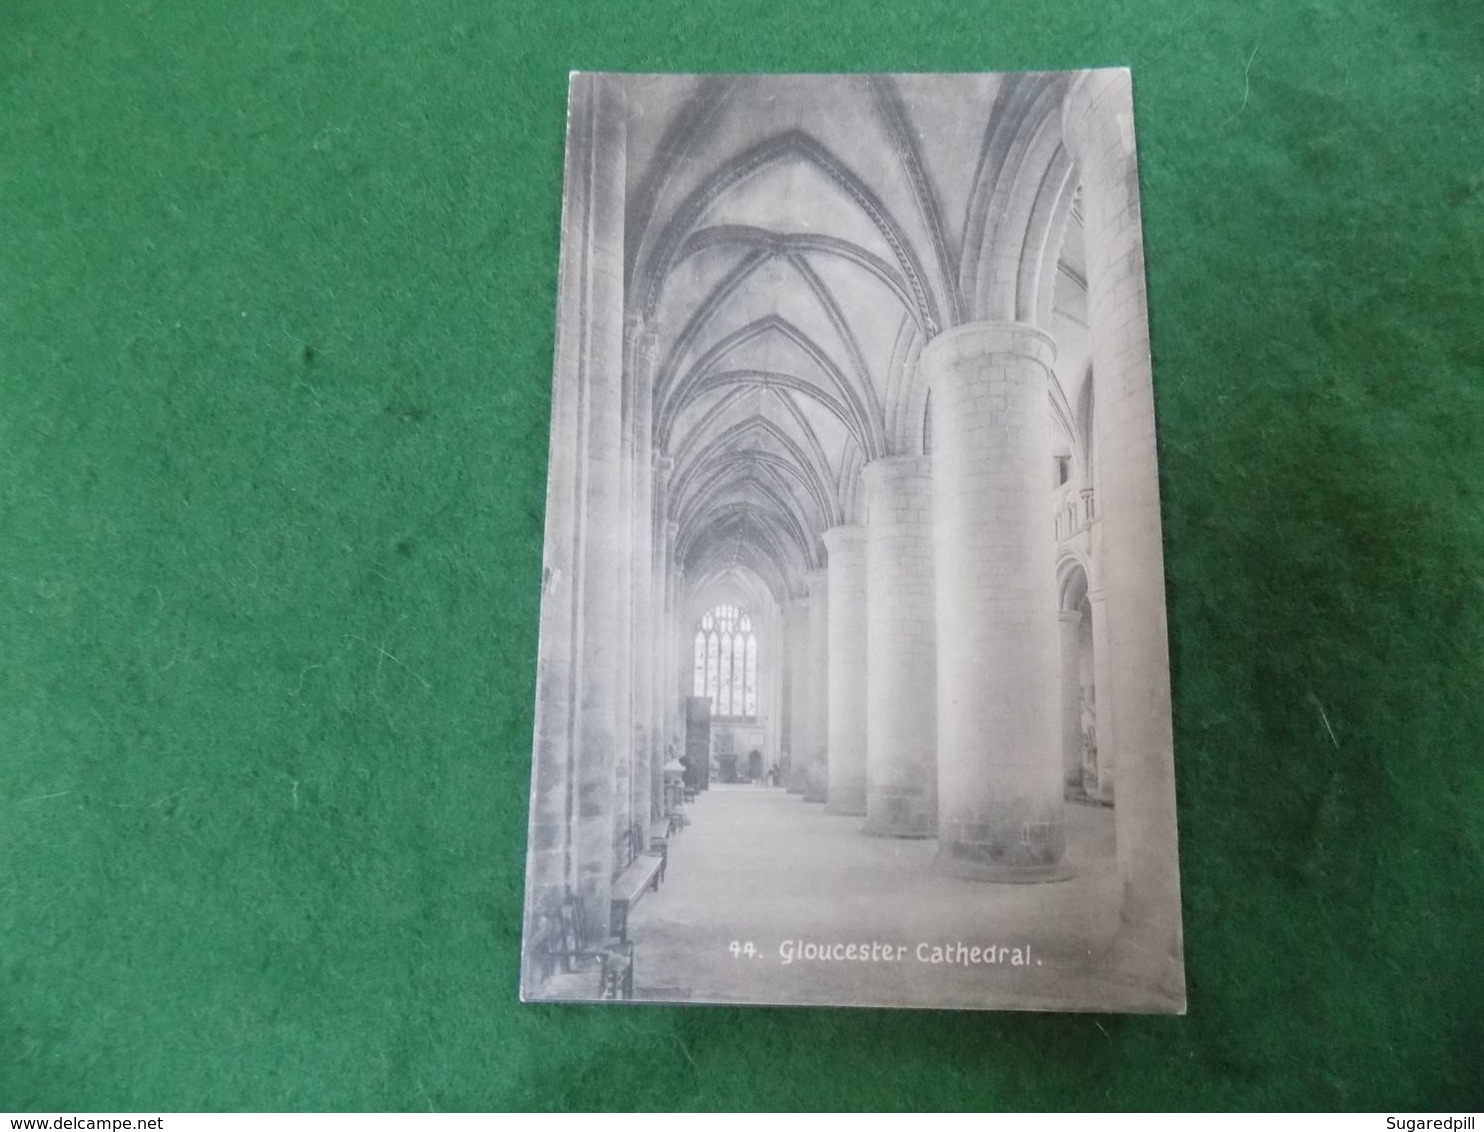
{"points": [[790, 248]]}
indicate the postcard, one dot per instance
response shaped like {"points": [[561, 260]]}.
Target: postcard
{"points": [[853, 685]]}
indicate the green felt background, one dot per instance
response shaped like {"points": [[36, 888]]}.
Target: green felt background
{"points": [[277, 282]]}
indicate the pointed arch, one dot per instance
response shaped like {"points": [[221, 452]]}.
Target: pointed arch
{"points": [[725, 450], [1019, 203], [904, 140], [1074, 579], [1061, 410], [847, 405], [738, 532], [816, 243], [764, 483], [651, 272], [905, 394], [693, 122], [847, 337], [769, 504], [716, 301], [810, 452]]}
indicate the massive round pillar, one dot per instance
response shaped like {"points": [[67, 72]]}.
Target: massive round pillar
{"points": [[901, 650], [1134, 727], [847, 669], [1000, 814], [817, 689]]}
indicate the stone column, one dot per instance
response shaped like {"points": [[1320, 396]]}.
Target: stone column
{"points": [[817, 689], [1102, 681], [679, 650], [622, 556], [641, 614], [660, 630], [999, 751], [901, 650], [847, 669], [578, 735], [796, 626], [1134, 708], [1071, 701]]}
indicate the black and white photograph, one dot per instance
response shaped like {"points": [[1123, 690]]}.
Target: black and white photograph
{"points": [[853, 685]]}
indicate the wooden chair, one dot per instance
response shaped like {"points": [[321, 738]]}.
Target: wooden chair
{"points": [[569, 958]]}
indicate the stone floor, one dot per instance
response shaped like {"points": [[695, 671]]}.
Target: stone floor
{"points": [[759, 867]]}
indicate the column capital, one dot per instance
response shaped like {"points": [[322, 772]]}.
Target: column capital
{"points": [[845, 540], [663, 465], [1070, 616], [974, 340], [815, 581], [894, 469], [1099, 111]]}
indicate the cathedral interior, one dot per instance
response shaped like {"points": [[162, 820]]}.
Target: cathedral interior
{"points": [[853, 610]]}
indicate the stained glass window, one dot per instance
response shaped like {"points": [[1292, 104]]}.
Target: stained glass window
{"points": [[725, 662], [751, 698], [722, 705], [698, 687]]}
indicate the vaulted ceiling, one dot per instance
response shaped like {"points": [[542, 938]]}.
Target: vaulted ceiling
{"points": [[791, 244]]}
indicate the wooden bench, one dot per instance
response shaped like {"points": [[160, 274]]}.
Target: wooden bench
{"points": [[641, 872], [659, 842], [567, 961]]}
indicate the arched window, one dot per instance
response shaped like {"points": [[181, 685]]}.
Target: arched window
{"points": [[725, 663]]}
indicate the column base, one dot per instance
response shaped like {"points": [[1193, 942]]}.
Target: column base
{"points": [[896, 829], [967, 868], [846, 807], [816, 784], [1009, 840], [902, 810]]}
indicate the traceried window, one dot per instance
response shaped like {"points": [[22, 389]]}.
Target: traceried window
{"points": [[726, 662]]}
